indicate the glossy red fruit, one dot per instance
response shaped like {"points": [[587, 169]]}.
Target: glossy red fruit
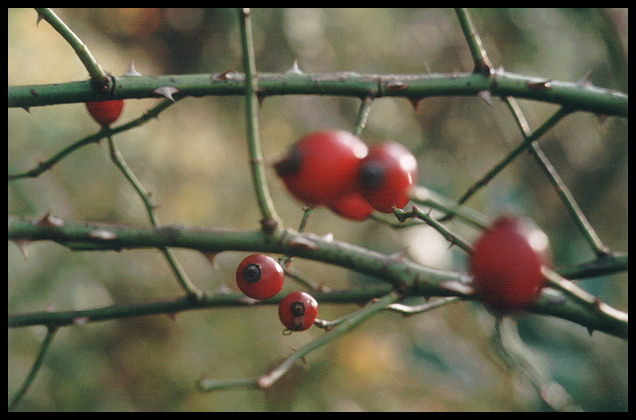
{"points": [[297, 311], [351, 206], [506, 263], [259, 276], [322, 166], [105, 112], [386, 176]]}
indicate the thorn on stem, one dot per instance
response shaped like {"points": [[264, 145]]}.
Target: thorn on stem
{"points": [[166, 91], [132, 71]]}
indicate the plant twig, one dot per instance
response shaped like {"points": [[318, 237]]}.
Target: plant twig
{"points": [[45, 165], [483, 65], [95, 71], [46, 344], [180, 274], [559, 186], [544, 128], [265, 381], [270, 219]]}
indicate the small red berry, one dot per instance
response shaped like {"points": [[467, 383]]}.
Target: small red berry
{"points": [[105, 112], [351, 206], [322, 166], [506, 263], [297, 311], [386, 176], [259, 276]]}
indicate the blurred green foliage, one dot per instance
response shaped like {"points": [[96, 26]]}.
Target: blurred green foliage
{"points": [[194, 160]]}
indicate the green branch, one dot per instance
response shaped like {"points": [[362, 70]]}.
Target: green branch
{"points": [[403, 275], [96, 72], [259, 180], [575, 96]]}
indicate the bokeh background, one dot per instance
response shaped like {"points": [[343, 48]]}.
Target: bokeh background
{"points": [[194, 160]]}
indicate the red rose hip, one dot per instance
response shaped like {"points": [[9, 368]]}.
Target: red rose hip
{"points": [[297, 311], [105, 112], [322, 166], [351, 206], [386, 176], [506, 263], [259, 276]]}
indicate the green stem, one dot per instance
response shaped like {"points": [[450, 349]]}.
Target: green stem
{"points": [[477, 51], [180, 274], [265, 381], [94, 69], [559, 186], [46, 344], [544, 128], [93, 138], [270, 218], [573, 95]]}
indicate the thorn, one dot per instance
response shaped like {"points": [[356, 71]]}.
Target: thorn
{"points": [[485, 96], [396, 85], [222, 77], [585, 80], [294, 69], [540, 85], [27, 109], [457, 287], [328, 237], [248, 300], [590, 330], [40, 17], [302, 243], [602, 119], [210, 256], [166, 91], [50, 221], [81, 321], [415, 103], [132, 71], [222, 290], [103, 234], [22, 246], [261, 99]]}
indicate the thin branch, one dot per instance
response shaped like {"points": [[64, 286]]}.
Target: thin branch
{"points": [[544, 128], [180, 274], [45, 165], [46, 344], [265, 381], [92, 66], [559, 186], [483, 65], [270, 218]]}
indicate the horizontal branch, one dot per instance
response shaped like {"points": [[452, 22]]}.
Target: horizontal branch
{"points": [[403, 275], [576, 96], [179, 304]]}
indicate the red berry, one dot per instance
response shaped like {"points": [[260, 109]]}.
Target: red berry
{"points": [[259, 276], [105, 112], [297, 311], [506, 263], [386, 176], [322, 166], [351, 206]]}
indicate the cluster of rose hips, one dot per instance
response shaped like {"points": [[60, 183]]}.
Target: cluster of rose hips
{"points": [[261, 277], [336, 169]]}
